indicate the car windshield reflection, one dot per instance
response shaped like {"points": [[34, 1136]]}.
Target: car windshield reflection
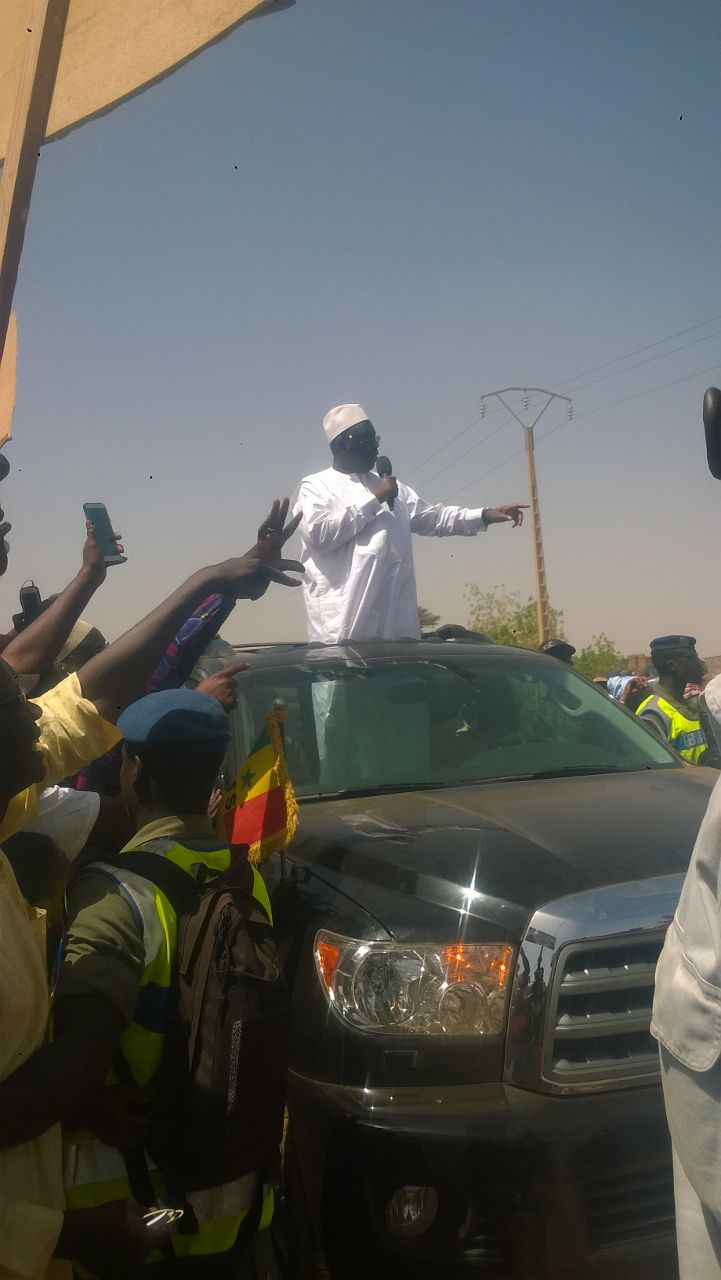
{"points": [[395, 724]]}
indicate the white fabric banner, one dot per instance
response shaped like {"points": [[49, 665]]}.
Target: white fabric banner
{"points": [[8, 379], [114, 48]]}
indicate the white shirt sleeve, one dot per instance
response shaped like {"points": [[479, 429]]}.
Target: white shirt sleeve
{"points": [[67, 816], [326, 524], [433, 520]]}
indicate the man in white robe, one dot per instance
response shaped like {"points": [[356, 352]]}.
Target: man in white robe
{"points": [[356, 528]]}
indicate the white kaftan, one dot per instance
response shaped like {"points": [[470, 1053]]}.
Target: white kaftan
{"points": [[359, 578]]}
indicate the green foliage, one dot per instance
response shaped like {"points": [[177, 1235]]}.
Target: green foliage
{"points": [[427, 619], [507, 619], [601, 655]]}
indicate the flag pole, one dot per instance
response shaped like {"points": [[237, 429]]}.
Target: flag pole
{"points": [[27, 132]]}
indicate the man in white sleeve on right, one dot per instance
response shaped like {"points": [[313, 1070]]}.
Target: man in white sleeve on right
{"points": [[356, 528], [687, 1024]]}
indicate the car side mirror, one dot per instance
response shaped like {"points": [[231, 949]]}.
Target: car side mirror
{"points": [[712, 428]]}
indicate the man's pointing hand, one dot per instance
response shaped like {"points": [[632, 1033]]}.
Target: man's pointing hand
{"points": [[511, 511]]}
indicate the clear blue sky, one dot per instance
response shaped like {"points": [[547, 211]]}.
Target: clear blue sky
{"points": [[405, 204]]}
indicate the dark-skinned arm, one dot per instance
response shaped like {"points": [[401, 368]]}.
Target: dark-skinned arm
{"points": [[35, 648], [56, 1082], [119, 675]]}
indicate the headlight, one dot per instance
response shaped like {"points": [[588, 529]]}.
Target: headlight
{"points": [[459, 989]]}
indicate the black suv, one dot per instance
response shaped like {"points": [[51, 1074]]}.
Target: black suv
{"points": [[489, 853]]}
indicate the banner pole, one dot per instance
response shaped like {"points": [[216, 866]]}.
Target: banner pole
{"points": [[27, 132]]}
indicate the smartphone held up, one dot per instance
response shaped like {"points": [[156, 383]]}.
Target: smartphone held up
{"points": [[108, 543]]}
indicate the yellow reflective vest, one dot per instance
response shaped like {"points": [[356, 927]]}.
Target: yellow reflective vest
{"points": [[684, 732], [94, 1172]]}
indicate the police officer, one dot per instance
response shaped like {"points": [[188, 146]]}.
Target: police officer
{"points": [[678, 664]]}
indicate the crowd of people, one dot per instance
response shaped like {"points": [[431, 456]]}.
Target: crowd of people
{"points": [[107, 756], [68, 794]]}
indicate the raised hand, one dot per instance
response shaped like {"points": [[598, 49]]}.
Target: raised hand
{"points": [[273, 534], [249, 577], [93, 563]]}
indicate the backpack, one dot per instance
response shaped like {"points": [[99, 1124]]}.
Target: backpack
{"points": [[221, 1087]]}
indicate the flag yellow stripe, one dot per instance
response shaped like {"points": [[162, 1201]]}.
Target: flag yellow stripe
{"points": [[259, 766]]}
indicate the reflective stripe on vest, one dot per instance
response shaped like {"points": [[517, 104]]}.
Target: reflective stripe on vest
{"points": [[684, 733], [94, 1172]]}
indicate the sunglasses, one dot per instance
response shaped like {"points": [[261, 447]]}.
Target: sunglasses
{"points": [[366, 436]]}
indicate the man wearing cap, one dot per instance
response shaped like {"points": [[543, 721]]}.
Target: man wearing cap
{"points": [[665, 711], [356, 528], [559, 649], [121, 936]]}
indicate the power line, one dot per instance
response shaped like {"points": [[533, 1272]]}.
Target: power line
{"points": [[639, 350], [606, 364], [476, 445], [708, 337], [615, 374], [636, 396], [613, 404]]}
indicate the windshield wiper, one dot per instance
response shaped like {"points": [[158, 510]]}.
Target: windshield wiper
{"points": [[387, 788], [580, 771]]}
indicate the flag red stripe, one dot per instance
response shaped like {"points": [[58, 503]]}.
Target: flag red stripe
{"points": [[258, 818]]}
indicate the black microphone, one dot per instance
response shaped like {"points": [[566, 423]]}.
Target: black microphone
{"points": [[384, 467], [712, 427]]}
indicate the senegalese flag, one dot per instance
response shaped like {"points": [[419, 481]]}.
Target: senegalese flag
{"points": [[260, 810]]}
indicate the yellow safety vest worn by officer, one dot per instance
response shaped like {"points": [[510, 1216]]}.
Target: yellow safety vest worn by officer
{"points": [[684, 732], [95, 1173]]}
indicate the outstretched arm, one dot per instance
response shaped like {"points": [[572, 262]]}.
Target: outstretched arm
{"points": [[34, 650], [434, 520], [119, 674]]}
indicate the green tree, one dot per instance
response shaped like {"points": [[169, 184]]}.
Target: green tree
{"points": [[505, 618], [601, 655], [427, 619]]}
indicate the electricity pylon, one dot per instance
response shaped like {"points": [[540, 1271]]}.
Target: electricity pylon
{"points": [[542, 609]]}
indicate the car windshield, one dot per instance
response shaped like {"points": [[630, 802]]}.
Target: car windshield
{"points": [[398, 723]]}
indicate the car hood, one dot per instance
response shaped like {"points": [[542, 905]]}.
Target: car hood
{"points": [[497, 851]]}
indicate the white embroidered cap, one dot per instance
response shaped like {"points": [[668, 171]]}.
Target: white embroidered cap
{"points": [[342, 418]]}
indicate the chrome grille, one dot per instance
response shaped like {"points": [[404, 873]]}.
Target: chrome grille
{"points": [[599, 1013]]}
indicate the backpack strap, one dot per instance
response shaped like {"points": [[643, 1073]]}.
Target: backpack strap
{"points": [[138, 1169], [182, 892], [179, 888]]}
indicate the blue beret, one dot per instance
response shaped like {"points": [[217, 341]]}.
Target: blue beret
{"points": [[674, 642], [175, 717]]}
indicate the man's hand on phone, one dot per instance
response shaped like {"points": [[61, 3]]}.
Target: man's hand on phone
{"points": [[94, 565]]}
